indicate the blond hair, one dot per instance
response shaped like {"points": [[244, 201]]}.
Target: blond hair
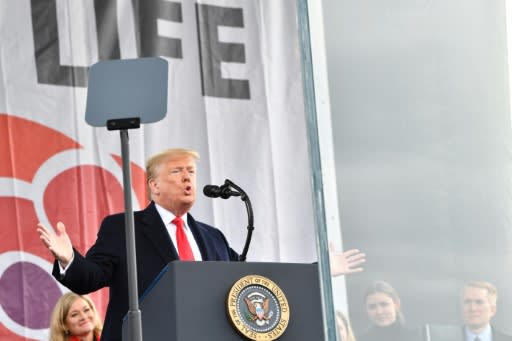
{"points": [[492, 292], [346, 324], [155, 161], [58, 329]]}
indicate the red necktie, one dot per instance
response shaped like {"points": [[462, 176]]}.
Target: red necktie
{"points": [[184, 249]]}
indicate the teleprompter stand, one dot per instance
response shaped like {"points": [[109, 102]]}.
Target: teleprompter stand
{"points": [[121, 95]]}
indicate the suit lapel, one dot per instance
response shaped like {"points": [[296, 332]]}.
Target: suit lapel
{"points": [[199, 237], [153, 228]]}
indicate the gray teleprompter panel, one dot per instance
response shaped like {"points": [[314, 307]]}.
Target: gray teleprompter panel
{"points": [[127, 88]]}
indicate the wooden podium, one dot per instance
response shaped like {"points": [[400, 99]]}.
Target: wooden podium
{"points": [[187, 301]]}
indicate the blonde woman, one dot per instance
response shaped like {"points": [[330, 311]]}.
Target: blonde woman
{"points": [[75, 318]]}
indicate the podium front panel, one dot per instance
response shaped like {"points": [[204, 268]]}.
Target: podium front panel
{"points": [[188, 301]]}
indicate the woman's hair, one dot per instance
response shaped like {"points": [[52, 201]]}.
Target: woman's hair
{"points": [[58, 329], [346, 324], [386, 289]]}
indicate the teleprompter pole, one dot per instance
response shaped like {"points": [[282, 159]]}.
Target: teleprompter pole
{"points": [[134, 315]]}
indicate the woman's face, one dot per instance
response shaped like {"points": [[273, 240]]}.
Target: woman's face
{"points": [[80, 318], [381, 309], [342, 331]]}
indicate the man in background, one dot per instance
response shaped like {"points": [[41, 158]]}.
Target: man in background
{"points": [[478, 307]]}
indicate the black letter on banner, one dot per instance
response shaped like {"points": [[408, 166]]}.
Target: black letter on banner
{"points": [[212, 52], [46, 42], [106, 28], [46, 47], [149, 43]]}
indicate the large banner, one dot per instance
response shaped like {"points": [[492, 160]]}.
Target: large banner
{"points": [[235, 95]]}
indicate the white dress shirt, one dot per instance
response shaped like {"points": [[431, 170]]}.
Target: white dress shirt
{"points": [[167, 218], [484, 335]]}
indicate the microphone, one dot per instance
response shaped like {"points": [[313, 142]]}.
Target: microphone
{"points": [[214, 191], [225, 191]]}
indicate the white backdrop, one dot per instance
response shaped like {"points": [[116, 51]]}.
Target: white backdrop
{"points": [[55, 167]]}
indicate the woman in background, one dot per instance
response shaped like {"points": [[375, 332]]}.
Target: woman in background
{"points": [[75, 318], [383, 308]]}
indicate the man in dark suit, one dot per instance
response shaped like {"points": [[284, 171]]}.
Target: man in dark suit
{"points": [[478, 307], [171, 181]]}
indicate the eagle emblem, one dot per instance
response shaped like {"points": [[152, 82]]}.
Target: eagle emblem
{"points": [[258, 307]]}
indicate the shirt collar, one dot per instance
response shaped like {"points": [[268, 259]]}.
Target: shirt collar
{"points": [[167, 216], [484, 335]]}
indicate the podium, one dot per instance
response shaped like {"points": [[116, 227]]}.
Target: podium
{"points": [[187, 301]]}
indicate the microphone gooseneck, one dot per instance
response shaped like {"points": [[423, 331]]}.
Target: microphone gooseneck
{"points": [[225, 191]]}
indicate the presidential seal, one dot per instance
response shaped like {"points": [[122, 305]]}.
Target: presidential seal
{"points": [[258, 308]]}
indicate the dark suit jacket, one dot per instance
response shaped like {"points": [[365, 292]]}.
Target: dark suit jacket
{"points": [[105, 262], [499, 336]]}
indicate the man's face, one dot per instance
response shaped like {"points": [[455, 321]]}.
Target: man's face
{"points": [[477, 311], [174, 186], [381, 309]]}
